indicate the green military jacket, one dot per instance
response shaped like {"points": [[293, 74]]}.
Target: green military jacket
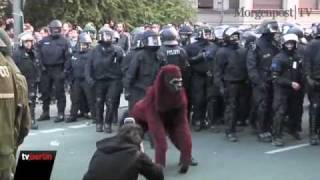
{"points": [[15, 117]]}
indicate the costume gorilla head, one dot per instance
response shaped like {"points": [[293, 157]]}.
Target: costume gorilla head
{"points": [[168, 88]]}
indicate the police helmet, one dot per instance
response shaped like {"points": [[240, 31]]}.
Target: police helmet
{"points": [[296, 30], [137, 38], [204, 32], [289, 38], [84, 42], [106, 34], [248, 38], [268, 26], [151, 39], [231, 35], [25, 36], [169, 36], [55, 27], [85, 38], [316, 30], [185, 30]]}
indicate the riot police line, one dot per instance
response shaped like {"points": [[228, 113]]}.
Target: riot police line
{"points": [[233, 76]]}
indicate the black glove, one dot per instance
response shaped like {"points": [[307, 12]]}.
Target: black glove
{"points": [[126, 95]]}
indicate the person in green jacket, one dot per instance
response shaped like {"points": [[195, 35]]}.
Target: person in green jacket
{"points": [[15, 117]]}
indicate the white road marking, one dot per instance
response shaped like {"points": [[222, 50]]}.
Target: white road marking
{"points": [[80, 126], [287, 148], [54, 143], [32, 134], [52, 130]]}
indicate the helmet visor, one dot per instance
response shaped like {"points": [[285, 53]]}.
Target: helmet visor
{"points": [[153, 41]]}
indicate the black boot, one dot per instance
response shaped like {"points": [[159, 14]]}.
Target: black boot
{"points": [[313, 137], [71, 119], [108, 128], [277, 141], [99, 127], [232, 137], [44, 116], [184, 169], [197, 126], [314, 140], [60, 118], [34, 126]]}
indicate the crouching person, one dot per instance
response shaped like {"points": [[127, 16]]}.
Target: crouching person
{"points": [[120, 158]]}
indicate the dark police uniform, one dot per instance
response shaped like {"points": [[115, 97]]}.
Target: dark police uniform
{"points": [[230, 73], [258, 64], [53, 53], [202, 79], [29, 65], [286, 68], [142, 72], [104, 72], [79, 86]]}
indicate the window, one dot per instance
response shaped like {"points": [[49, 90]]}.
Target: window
{"points": [[234, 4], [269, 4], [206, 4], [314, 4]]}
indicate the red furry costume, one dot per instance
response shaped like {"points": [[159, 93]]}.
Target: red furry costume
{"points": [[163, 112]]}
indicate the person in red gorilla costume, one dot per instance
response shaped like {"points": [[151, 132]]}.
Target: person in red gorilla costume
{"points": [[164, 111]]}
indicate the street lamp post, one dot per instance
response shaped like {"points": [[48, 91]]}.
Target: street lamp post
{"points": [[18, 18]]}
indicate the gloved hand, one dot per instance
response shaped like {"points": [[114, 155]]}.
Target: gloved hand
{"points": [[126, 95], [209, 74]]}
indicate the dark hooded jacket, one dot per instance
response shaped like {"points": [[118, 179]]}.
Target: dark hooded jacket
{"points": [[117, 158]]}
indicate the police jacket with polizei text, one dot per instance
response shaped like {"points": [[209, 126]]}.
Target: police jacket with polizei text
{"points": [[143, 70], [174, 55], [311, 62], [28, 63], [54, 51], [286, 68], [105, 63], [75, 68], [230, 65], [259, 60], [202, 65]]}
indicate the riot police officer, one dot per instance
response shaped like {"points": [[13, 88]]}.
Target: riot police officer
{"points": [[79, 87], [103, 71], [312, 70], [26, 59], [185, 33], [301, 46], [258, 64], [136, 46], [247, 107], [143, 68], [171, 53], [287, 78], [201, 55], [54, 51], [230, 75]]}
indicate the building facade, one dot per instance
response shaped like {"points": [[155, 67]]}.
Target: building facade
{"points": [[304, 12]]}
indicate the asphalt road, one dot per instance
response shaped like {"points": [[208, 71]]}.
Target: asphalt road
{"points": [[218, 159]]}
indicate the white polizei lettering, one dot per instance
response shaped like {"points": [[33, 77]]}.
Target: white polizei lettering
{"points": [[4, 72]]}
